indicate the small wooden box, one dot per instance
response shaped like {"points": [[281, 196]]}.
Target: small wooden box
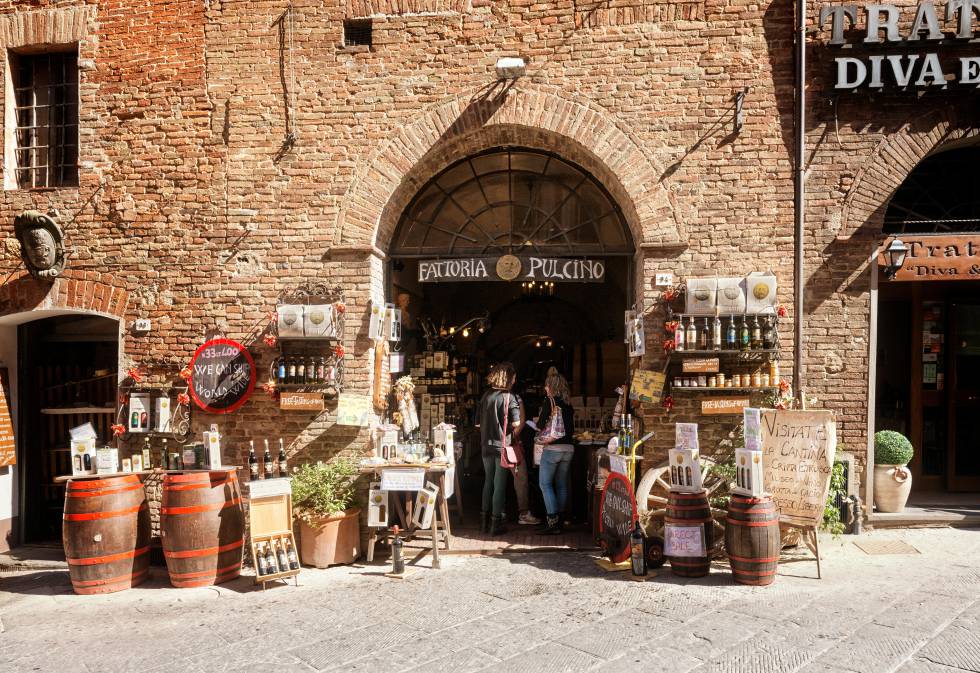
{"points": [[271, 513]]}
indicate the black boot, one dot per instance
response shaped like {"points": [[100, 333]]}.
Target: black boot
{"points": [[554, 525], [497, 526], [484, 522]]}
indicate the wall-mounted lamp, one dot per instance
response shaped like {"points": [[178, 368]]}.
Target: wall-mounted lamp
{"points": [[510, 67], [895, 255]]}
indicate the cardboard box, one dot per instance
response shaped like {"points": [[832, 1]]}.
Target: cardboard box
{"points": [[731, 296], [163, 414], [748, 473], [137, 462], [320, 320], [702, 296], [290, 320], [83, 454], [376, 325], [138, 417], [377, 506], [760, 291], [425, 505], [444, 437], [107, 461], [685, 470], [212, 448]]}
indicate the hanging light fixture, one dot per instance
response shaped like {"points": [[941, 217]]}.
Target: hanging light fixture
{"points": [[895, 255]]}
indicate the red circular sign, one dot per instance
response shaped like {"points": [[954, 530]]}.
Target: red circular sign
{"points": [[222, 376], [617, 513]]}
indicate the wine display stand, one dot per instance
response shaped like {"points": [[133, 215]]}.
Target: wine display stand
{"points": [[271, 517], [180, 416], [302, 348]]}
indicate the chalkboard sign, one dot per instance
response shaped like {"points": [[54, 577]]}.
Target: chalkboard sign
{"points": [[617, 514], [222, 376]]}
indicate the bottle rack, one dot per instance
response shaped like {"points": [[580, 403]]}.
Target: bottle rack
{"points": [[316, 346], [260, 544], [180, 415]]}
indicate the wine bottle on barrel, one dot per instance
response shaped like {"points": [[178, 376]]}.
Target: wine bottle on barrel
{"points": [[253, 461], [282, 460], [269, 470]]}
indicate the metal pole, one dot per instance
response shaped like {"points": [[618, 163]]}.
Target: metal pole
{"points": [[799, 195]]}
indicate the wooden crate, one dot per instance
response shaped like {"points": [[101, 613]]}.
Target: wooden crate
{"points": [[271, 515]]}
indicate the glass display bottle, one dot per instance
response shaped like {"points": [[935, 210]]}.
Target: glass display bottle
{"points": [[756, 334], [744, 336], [703, 336], [716, 334], [692, 334], [731, 335], [679, 343]]}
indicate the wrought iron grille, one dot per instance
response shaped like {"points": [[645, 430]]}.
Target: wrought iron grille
{"points": [[941, 194], [516, 201], [46, 101]]}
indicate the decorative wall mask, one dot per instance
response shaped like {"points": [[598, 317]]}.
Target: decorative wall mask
{"points": [[41, 244]]}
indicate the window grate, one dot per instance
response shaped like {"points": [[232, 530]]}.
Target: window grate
{"points": [[357, 33], [46, 113]]}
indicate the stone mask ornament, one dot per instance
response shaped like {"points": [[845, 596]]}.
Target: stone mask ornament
{"points": [[41, 244]]}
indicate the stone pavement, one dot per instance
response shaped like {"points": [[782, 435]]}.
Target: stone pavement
{"points": [[540, 613]]}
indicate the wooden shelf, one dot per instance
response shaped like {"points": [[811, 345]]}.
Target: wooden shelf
{"points": [[70, 411], [743, 354], [705, 389], [69, 477]]}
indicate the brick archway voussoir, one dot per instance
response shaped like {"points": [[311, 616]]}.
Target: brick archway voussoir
{"points": [[87, 291], [617, 159]]}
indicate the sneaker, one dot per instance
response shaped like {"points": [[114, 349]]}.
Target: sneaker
{"points": [[528, 519]]}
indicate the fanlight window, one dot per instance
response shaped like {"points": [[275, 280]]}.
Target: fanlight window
{"points": [[512, 201], [940, 195]]}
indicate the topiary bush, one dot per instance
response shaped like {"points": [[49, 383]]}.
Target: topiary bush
{"points": [[892, 448]]}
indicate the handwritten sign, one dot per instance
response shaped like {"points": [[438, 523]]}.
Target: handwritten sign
{"points": [[701, 365], [798, 456], [8, 448], [686, 436], [354, 410], [222, 376], [617, 512], [684, 541], [402, 479], [715, 406], [289, 401], [647, 386]]}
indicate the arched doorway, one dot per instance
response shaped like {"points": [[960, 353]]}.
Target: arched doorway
{"points": [[928, 352], [513, 254], [61, 371]]}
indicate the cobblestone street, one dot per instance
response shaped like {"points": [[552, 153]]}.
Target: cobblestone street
{"points": [[556, 612]]}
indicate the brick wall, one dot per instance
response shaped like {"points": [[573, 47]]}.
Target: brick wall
{"points": [[204, 209]]}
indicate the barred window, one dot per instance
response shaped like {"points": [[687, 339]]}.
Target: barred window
{"points": [[45, 87]]}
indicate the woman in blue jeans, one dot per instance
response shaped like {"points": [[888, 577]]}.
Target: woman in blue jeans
{"points": [[556, 461]]}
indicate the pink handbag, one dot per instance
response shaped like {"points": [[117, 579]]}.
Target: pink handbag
{"points": [[508, 455]]}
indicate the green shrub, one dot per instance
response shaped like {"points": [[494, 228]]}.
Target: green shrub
{"points": [[831, 513], [324, 489], [892, 448]]}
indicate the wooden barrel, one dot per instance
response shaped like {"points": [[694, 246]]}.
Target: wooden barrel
{"points": [[106, 534], [752, 539], [690, 509], [202, 527]]}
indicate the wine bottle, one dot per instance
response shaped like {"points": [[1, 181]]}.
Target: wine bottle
{"points": [[692, 335], [744, 337], [253, 460], [270, 559], [731, 335], [716, 334], [282, 459], [291, 370], [261, 566], [679, 336], [281, 557], [281, 370], [300, 370], [291, 555], [269, 471], [703, 336], [638, 560], [756, 334]]}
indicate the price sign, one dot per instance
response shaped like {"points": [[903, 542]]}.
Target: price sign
{"points": [[684, 541], [617, 513], [222, 376]]}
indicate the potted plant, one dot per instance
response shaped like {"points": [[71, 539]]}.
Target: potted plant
{"points": [[329, 528], [893, 480]]}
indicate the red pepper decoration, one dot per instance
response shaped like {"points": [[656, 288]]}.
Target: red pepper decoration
{"points": [[668, 403], [669, 294], [270, 340], [135, 374], [340, 307], [339, 351], [669, 345], [118, 430], [781, 311], [185, 373], [183, 398]]}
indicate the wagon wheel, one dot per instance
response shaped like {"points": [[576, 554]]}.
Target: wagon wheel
{"points": [[651, 495]]}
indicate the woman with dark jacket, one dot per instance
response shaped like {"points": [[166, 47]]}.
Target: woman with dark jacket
{"points": [[499, 416], [556, 461]]}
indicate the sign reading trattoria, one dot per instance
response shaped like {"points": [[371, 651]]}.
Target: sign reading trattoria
{"points": [[919, 61], [938, 257], [512, 267]]}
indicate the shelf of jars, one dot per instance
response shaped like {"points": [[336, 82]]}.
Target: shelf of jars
{"points": [[723, 389]]}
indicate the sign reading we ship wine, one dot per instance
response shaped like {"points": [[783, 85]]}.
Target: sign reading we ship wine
{"points": [[512, 267], [798, 456], [222, 376]]}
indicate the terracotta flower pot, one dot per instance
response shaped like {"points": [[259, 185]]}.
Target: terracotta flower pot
{"points": [[333, 540], [892, 486]]}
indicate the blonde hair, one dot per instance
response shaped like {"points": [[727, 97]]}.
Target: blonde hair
{"points": [[501, 376], [557, 384]]}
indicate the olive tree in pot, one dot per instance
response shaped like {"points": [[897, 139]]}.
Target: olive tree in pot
{"points": [[893, 480], [329, 527]]}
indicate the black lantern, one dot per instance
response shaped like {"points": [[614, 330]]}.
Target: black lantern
{"points": [[894, 258]]}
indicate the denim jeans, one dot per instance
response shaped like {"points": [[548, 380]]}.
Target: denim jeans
{"points": [[553, 479]]}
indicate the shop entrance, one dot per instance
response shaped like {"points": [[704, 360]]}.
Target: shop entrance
{"points": [[513, 255], [928, 377], [67, 373]]}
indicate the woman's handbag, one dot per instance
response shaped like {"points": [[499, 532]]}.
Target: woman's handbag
{"points": [[538, 453], [554, 429], [508, 454]]}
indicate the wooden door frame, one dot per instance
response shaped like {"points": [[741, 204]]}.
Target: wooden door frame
{"points": [[955, 483]]}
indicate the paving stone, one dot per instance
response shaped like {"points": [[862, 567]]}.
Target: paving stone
{"points": [[547, 658], [467, 660], [332, 652], [651, 658], [956, 646], [611, 637]]}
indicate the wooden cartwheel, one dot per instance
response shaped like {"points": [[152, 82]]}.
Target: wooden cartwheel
{"points": [[651, 499]]}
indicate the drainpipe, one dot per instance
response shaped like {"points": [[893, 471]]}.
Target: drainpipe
{"points": [[799, 195]]}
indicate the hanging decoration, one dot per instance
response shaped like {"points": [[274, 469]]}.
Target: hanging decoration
{"points": [[183, 399], [135, 374]]}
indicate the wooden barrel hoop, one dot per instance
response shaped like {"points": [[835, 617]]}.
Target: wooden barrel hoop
{"points": [[202, 528], [752, 539], [106, 534]]}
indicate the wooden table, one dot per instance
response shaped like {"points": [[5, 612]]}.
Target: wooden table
{"points": [[72, 477], [441, 529]]}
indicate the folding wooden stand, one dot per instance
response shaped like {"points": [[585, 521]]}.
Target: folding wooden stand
{"points": [[271, 516], [810, 538]]}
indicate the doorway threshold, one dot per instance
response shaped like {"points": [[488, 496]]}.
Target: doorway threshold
{"points": [[33, 557], [958, 510]]}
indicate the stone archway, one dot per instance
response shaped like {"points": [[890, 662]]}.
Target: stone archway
{"points": [[889, 165], [575, 129]]}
